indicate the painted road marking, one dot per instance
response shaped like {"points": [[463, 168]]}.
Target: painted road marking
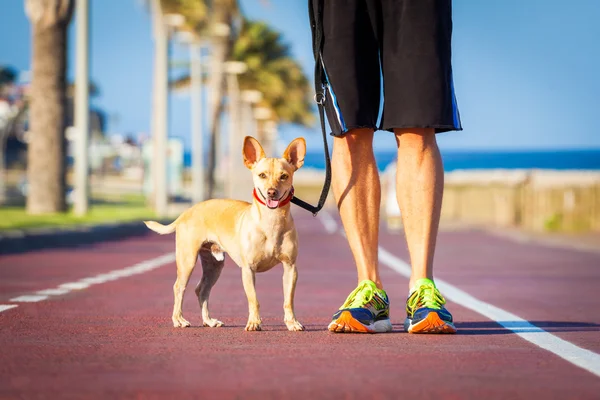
{"points": [[84, 283], [28, 299], [328, 222], [4, 307], [576, 355], [74, 286], [52, 292]]}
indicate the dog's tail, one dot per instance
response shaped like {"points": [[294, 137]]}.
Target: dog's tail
{"points": [[160, 228]]}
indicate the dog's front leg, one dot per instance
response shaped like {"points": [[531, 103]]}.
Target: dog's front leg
{"points": [[290, 276], [248, 278]]}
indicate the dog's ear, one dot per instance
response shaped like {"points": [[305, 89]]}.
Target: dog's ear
{"points": [[295, 152], [252, 151]]}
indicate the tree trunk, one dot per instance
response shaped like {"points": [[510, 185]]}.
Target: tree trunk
{"points": [[46, 147]]}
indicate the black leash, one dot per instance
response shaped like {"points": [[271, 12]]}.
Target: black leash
{"points": [[316, 26]]}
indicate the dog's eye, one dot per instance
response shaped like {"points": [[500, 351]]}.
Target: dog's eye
{"points": [[284, 177], [262, 175]]}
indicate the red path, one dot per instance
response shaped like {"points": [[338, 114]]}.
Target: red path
{"points": [[115, 340]]}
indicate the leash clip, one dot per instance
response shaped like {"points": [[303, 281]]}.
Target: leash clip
{"points": [[320, 97]]}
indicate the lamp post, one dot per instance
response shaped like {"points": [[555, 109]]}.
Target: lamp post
{"points": [[270, 130], [163, 25], [263, 115], [82, 110], [249, 99], [233, 69], [197, 109], [219, 34], [240, 177]]}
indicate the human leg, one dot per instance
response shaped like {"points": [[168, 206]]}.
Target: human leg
{"points": [[357, 192], [419, 191], [351, 64], [420, 102]]}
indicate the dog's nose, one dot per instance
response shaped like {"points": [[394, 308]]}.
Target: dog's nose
{"points": [[272, 193]]}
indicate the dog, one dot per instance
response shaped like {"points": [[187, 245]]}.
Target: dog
{"points": [[257, 236]]}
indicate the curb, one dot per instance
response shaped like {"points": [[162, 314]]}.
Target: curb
{"points": [[19, 241]]}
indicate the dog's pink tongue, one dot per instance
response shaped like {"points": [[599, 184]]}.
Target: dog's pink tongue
{"points": [[272, 203]]}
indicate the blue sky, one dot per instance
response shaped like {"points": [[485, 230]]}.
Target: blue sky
{"points": [[526, 71]]}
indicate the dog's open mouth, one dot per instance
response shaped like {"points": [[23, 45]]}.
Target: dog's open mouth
{"points": [[272, 203]]}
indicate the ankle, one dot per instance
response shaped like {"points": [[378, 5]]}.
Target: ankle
{"points": [[376, 281], [412, 283]]}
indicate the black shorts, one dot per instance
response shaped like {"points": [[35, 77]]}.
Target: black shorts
{"points": [[408, 43]]}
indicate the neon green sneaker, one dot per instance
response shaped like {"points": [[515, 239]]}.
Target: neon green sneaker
{"points": [[366, 310], [425, 310]]}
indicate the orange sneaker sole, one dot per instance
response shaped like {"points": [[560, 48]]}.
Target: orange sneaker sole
{"points": [[347, 324], [432, 324]]}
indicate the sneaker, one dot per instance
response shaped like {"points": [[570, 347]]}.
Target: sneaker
{"points": [[425, 310], [366, 310]]}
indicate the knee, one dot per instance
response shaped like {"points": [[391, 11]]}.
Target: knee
{"points": [[354, 140], [417, 139], [353, 150]]}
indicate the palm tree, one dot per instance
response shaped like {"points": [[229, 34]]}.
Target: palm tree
{"points": [[196, 12], [272, 71], [46, 148], [216, 22], [222, 34]]}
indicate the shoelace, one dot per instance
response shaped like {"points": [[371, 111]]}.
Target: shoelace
{"points": [[359, 296], [426, 296]]}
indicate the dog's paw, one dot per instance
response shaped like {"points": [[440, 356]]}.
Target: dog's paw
{"points": [[180, 322], [294, 326], [253, 326], [213, 323]]}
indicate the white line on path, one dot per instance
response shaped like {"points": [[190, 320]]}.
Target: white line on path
{"points": [[576, 355], [84, 283], [74, 286], [4, 307], [28, 299], [328, 222], [52, 292]]}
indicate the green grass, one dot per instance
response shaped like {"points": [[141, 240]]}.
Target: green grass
{"points": [[553, 223], [126, 209]]}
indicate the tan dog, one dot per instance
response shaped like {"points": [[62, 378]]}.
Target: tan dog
{"points": [[257, 236]]}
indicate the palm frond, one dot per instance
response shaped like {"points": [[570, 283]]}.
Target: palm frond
{"points": [[273, 71]]}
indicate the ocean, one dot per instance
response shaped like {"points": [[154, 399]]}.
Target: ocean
{"points": [[455, 160]]}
